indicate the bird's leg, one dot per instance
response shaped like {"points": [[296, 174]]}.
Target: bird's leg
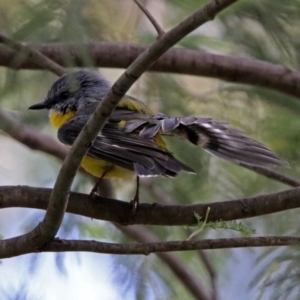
{"points": [[94, 189], [135, 201]]}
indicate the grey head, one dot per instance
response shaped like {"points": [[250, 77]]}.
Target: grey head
{"points": [[72, 90]]}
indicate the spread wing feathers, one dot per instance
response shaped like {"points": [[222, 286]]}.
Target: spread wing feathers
{"points": [[215, 137], [127, 150]]}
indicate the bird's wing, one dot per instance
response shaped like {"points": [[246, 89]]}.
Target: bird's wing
{"points": [[128, 150], [213, 136]]}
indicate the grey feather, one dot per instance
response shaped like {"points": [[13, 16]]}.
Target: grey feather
{"points": [[129, 150], [169, 124]]}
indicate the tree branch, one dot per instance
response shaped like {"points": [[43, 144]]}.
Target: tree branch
{"points": [[25, 51], [180, 61], [152, 20], [272, 175], [58, 245], [152, 214]]}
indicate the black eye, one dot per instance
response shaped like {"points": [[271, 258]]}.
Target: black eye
{"points": [[64, 95]]}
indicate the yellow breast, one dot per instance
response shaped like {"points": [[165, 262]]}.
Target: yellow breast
{"points": [[57, 118], [97, 167]]}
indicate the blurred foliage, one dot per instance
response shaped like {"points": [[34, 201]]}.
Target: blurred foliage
{"points": [[20, 292], [280, 278], [227, 225], [261, 29]]}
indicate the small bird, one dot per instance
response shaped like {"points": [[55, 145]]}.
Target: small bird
{"points": [[131, 142]]}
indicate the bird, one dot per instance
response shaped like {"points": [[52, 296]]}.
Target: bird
{"points": [[131, 142]]}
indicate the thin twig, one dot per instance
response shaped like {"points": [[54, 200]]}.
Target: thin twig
{"points": [[147, 13], [202, 226], [148, 248], [42, 60], [272, 175]]}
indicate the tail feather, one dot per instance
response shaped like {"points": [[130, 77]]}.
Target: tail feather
{"points": [[234, 146], [216, 138]]}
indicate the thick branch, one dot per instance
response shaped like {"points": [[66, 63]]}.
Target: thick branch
{"points": [[27, 52], [180, 61], [153, 214]]}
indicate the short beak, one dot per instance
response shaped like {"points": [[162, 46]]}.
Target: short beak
{"points": [[41, 105]]}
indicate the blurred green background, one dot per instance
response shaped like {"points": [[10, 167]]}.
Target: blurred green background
{"points": [[260, 29]]}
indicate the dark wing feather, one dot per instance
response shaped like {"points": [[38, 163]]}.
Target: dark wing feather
{"points": [[127, 150], [215, 137]]}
